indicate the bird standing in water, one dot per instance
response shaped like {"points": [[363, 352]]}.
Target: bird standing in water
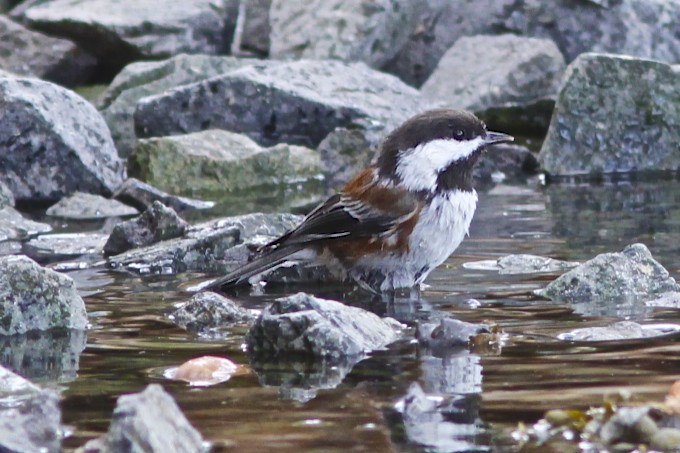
{"points": [[398, 219]]}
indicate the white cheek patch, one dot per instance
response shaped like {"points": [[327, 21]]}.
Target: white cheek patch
{"points": [[419, 167]]}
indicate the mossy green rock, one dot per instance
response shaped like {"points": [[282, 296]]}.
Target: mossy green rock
{"points": [[217, 161], [614, 114]]}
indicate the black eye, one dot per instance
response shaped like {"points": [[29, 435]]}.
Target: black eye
{"points": [[459, 133]]}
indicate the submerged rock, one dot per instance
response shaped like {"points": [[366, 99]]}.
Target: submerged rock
{"points": [[514, 71], [613, 276], [35, 298], [205, 371], [305, 325], [297, 102], [141, 195], [85, 206], [216, 161], [156, 224], [30, 54], [49, 248], [341, 29], [622, 330], [71, 146], [207, 311], [633, 127], [521, 264], [206, 247], [448, 333], [150, 422], [148, 78]]}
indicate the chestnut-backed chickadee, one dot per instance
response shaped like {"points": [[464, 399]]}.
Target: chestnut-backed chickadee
{"points": [[399, 218]]}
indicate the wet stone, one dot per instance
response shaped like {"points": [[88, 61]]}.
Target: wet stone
{"points": [[448, 333], [141, 195], [84, 206], [156, 224], [208, 311], [305, 325], [521, 264], [35, 298], [14, 226], [48, 248], [32, 425], [622, 330]]}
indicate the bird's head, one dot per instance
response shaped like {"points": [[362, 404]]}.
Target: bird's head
{"points": [[435, 150]]}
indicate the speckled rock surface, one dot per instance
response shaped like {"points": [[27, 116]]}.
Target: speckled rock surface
{"points": [[614, 114], [139, 80], [87, 206], [613, 276], [208, 311], [69, 140], [35, 298], [34, 424], [14, 226], [297, 102], [252, 34], [217, 161], [306, 325]]}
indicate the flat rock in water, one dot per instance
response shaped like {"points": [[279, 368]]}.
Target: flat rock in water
{"points": [[35, 298], [71, 146], [348, 30], [296, 102], [447, 333], [633, 127], [14, 226], [623, 330], [30, 54], [150, 422], [32, 425], [58, 247], [513, 71], [613, 276], [158, 223], [305, 325], [148, 78], [119, 31], [521, 264], [205, 247], [217, 161], [207, 310], [141, 195], [87, 206]]}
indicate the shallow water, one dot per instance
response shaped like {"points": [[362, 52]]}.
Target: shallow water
{"points": [[131, 341]]}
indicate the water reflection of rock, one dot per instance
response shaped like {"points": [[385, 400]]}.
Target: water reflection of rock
{"points": [[44, 356]]}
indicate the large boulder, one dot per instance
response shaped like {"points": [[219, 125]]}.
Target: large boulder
{"points": [[514, 71], [54, 143], [148, 78], [340, 29], [149, 422], [35, 298], [614, 114], [305, 325], [31, 54], [121, 31], [644, 28], [217, 161], [296, 102]]}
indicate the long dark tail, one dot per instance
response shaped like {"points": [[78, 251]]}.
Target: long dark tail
{"points": [[267, 260]]}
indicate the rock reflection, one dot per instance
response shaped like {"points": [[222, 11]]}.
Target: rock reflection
{"points": [[44, 356]]}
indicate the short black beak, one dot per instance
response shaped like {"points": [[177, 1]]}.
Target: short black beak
{"points": [[491, 138]]}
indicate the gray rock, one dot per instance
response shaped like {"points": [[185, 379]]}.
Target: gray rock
{"points": [[87, 206], [515, 162], [206, 247], [6, 196], [50, 356], [34, 425], [622, 330], [35, 298], [207, 311], [14, 226], [521, 264], [296, 102], [142, 79], [339, 29], [447, 333], [156, 224], [14, 386], [305, 325], [512, 71], [49, 248], [344, 153], [30, 54], [216, 161], [251, 36], [149, 422], [633, 126], [613, 276], [141, 195], [68, 141], [629, 424], [668, 300], [634, 27], [118, 31]]}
